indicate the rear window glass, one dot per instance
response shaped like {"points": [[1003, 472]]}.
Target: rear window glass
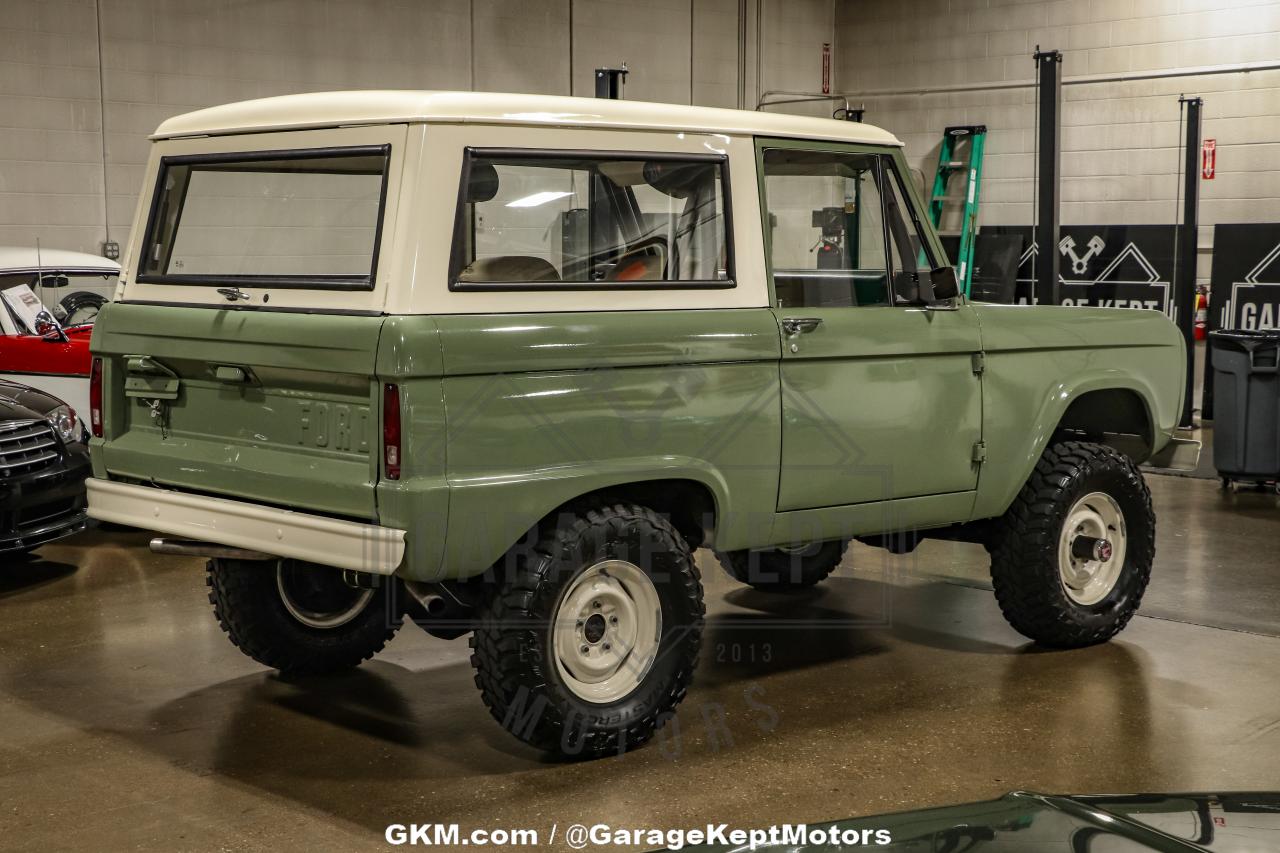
{"points": [[285, 219], [553, 220]]}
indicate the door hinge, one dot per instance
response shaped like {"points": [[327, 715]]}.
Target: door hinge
{"points": [[979, 452], [979, 363]]}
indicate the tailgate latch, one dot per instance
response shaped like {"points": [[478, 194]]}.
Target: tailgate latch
{"points": [[160, 414]]}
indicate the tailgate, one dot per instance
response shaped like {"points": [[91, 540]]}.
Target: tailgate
{"points": [[272, 407]]}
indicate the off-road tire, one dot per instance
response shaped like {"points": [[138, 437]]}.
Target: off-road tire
{"points": [[247, 603], [781, 571], [1024, 549], [512, 645]]}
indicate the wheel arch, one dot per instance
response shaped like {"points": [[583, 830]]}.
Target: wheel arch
{"points": [[689, 503], [1115, 409], [692, 494], [1117, 416]]}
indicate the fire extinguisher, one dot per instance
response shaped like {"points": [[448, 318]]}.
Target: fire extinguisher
{"points": [[1202, 315]]}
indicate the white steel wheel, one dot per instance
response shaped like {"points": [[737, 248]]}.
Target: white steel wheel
{"points": [[606, 630], [1091, 548], [319, 597]]}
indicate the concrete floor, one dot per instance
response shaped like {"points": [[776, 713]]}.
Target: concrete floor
{"points": [[128, 721]]}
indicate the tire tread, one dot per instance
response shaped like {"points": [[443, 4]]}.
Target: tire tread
{"points": [[507, 661], [1026, 540]]}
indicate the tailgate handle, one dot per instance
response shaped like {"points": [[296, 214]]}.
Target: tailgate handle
{"points": [[147, 378], [233, 374]]}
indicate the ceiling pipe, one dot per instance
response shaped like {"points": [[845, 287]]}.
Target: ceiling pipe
{"points": [[1123, 77]]}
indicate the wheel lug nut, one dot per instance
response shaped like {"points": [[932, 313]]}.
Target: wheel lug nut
{"points": [[613, 620], [595, 605], [586, 649], [606, 647]]}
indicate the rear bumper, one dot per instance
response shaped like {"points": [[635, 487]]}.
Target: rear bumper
{"points": [[241, 524]]}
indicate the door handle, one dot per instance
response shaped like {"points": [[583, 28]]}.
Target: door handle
{"points": [[798, 325]]}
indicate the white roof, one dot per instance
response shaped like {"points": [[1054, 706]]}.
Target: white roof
{"points": [[25, 258], [331, 109]]}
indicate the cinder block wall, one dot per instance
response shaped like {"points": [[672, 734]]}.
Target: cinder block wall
{"points": [[163, 57], [1120, 141]]}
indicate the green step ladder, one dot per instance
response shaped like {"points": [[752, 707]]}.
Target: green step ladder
{"points": [[961, 153]]}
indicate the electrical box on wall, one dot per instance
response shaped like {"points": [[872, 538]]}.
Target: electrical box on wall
{"points": [[111, 250]]}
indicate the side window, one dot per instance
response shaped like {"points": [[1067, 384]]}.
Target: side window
{"points": [[826, 227], [909, 253], [534, 220]]}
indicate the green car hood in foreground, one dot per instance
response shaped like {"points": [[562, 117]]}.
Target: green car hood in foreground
{"points": [[1021, 822]]}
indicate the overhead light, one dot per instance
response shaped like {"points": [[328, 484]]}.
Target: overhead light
{"points": [[538, 198]]}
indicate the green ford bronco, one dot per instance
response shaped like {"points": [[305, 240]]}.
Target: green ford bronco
{"points": [[500, 363]]}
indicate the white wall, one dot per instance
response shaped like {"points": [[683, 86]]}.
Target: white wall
{"points": [[163, 57], [50, 131], [1120, 141]]}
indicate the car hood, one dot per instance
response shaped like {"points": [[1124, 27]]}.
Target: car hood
{"points": [[1021, 821], [20, 402]]}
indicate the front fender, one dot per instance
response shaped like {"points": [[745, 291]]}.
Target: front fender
{"points": [[1000, 482], [1054, 356]]}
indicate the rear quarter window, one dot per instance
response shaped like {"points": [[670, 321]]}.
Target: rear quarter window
{"points": [[547, 220]]}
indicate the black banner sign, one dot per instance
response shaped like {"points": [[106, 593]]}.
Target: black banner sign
{"points": [[1108, 266], [1246, 277], [1245, 286]]}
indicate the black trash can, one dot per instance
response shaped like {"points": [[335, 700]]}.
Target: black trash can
{"points": [[1246, 408]]}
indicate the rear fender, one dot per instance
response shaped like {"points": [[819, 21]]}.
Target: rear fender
{"points": [[501, 514]]}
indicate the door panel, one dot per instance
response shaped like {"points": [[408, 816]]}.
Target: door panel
{"points": [[878, 403], [879, 396]]}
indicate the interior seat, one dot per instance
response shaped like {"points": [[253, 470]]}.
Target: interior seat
{"points": [[510, 268]]}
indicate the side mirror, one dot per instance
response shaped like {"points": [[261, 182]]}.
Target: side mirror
{"points": [[926, 287], [945, 283], [48, 328]]}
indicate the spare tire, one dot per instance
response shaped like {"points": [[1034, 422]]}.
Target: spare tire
{"points": [[80, 307]]}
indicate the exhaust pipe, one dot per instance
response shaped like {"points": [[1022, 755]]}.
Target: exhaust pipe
{"points": [[194, 548], [432, 603]]}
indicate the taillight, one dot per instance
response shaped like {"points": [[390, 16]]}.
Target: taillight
{"points": [[391, 431], [95, 398]]}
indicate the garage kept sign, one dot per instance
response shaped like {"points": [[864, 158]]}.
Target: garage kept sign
{"points": [[1246, 285], [1246, 277], [1108, 266]]}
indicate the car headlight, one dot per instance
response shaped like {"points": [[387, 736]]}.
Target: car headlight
{"points": [[65, 423]]}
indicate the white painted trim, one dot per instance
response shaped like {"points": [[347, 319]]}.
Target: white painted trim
{"points": [[429, 239], [374, 107], [417, 234], [273, 297], [241, 524]]}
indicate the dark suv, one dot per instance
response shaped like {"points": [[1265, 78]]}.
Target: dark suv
{"points": [[44, 460]]}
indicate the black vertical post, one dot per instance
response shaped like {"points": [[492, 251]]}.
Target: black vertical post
{"points": [[1184, 285], [1049, 146], [609, 82]]}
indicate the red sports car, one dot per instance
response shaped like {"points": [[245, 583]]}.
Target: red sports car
{"points": [[35, 348]]}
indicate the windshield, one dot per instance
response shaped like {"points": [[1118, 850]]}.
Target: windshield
{"points": [[72, 297], [289, 219]]}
